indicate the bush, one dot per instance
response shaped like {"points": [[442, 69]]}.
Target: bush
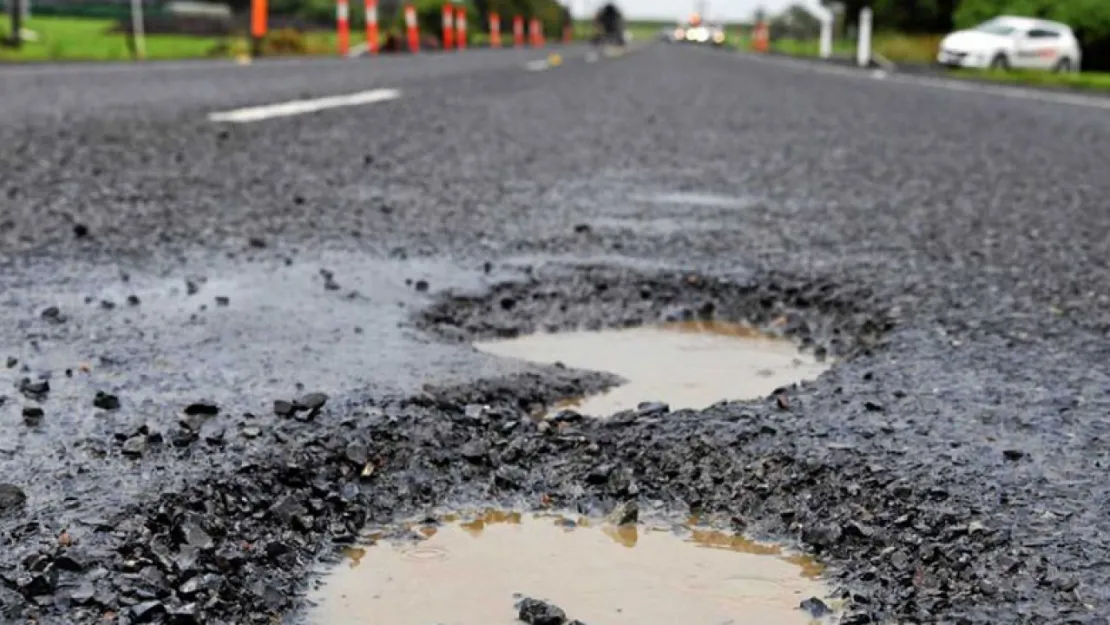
{"points": [[284, 41]]}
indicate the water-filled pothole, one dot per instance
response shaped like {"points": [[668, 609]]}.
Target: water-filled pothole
{"points": [[473, 572], [684, 364]]}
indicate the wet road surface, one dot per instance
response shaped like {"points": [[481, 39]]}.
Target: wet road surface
{"points": [[211, 280]]}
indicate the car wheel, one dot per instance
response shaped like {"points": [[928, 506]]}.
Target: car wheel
{"points": [[1000, 63], [1063, 66]]}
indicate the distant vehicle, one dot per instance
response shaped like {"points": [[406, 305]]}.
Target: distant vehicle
{"points": [[1008, 42], [695, 30]]}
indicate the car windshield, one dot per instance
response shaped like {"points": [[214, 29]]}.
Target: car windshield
{"points": [[996, 27]]}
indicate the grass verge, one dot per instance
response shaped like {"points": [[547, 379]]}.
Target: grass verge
{"points": [[92, 39]]}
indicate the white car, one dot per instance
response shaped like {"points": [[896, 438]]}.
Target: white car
{"points": [[1012, 42]]}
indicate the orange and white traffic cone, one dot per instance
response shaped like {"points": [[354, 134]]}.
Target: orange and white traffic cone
{"points": [[372, 35], [448, 26], [518, 31], [343, 25], [761, 37], [259, 13], [460, 27], [494, 30], [413, 30], [537, 33]]}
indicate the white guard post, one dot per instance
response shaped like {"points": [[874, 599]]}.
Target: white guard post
{"points": [[137, 29], [863, 49], [825, 16]]}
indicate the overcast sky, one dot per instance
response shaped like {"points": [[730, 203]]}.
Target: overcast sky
{"points": [[676, 9]]}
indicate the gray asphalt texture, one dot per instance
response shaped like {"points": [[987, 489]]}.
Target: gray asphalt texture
{"points": [[949, 248]]}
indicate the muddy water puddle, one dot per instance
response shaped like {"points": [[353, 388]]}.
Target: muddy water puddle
{"points": [[474, 571], [684, 364]]}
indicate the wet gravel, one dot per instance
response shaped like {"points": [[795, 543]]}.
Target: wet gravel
{"points": [[283, 358]]}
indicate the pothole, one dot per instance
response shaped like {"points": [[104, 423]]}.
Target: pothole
{"points": [[690, 364], [476, 571]]}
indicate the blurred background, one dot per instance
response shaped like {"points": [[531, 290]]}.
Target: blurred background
{"points": [[908, 33]]}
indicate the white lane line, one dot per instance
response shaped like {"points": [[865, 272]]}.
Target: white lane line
{"points": [[537, 66], [300, 107], [943, 83]]}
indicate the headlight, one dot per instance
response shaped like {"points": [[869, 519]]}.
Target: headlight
{"points": [[719, 37]]}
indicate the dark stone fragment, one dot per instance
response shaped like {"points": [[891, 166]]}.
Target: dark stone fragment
{"points": [[191, 287], [147, 611], [35, 389], [107, 304], [194, 535], [357, 453], [421, 286], [581, 228], [311, 401], [822, 536], [652, 408], [40, 584], [11, 362], [873, 406], [536, 612], [223, 301], [135, 446], [1013, 454], [257, 242], [199, 583], [349, 491], [106, 401], [83, 594], [815, 607], [133, 300], [32, 415], [183, 615], [475, 451], [70, 561], [53, 314], [276, 548], [205, 408], [283, 408], [599, 474], [80, 231], [12, 498]]}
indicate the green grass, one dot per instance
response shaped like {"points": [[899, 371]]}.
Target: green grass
{"points": [[1094, 81], [91, 39]]}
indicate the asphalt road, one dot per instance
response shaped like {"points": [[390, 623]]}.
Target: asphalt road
{"points": [[948, 243]]}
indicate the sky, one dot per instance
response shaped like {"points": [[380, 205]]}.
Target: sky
{"points": [[677, 9]]}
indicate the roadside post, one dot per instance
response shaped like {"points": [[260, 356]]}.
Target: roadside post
{"points": [[343, 25], [518, 31], [568, 33], [863, 50], [494, 30], [15, 18], [138, 36], [372, 35], [460, 27], [413, 29], [448, 26], [258, 26]]}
